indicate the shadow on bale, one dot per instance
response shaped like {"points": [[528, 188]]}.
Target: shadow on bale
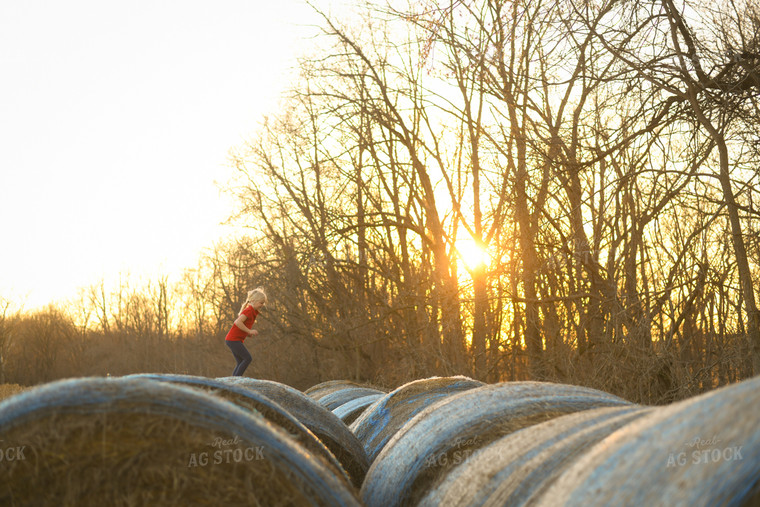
{"points": [[257, 402], [327, 427], [421, 453], [381, 420], [701, 451], [122, 441], [515, 469]]}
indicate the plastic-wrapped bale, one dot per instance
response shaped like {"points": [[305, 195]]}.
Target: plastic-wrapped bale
{"points": [[120, 441], [342, 396], [703, 451], [515, 469], [350, 411], [381, 420], [324, 424], [253, 400], [421, 453], [318, 391]]}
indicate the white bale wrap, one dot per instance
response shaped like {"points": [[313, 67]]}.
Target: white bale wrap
{"points": [[337, 398], [519, 466], [324, 424], [255, 401], [703, 451], [381, 420], [352, 410], [420, 454], [318, 391]]}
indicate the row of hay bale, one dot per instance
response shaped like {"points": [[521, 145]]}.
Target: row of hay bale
{"points": [[175, 440], [456, 441], [157, 439], [344, 398]]}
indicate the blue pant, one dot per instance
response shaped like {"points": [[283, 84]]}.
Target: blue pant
{"points": [[242, 356]]}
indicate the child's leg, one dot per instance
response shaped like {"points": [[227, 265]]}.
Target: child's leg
{"points": [[245, 360], [242, 356]]}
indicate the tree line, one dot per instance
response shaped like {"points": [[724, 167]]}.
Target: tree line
{"points": [[603, 154]]}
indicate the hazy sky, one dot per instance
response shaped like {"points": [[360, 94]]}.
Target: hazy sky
{"points": [[116, 119]]}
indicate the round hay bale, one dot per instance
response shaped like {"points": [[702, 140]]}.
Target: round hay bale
{"points": [[703, 451], [350, 411], [440, 437], [257, 402], [316, 392], [381, 420], [324, 424], [337, 398], [518, 467], [97, 441]]}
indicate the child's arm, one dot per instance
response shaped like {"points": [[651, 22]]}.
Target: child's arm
{"points": [[240, 323]]}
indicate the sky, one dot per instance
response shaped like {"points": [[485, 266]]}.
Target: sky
{"points": [[116, 124]]}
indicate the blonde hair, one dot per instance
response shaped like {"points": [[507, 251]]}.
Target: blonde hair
{"points": [[254, 295]]}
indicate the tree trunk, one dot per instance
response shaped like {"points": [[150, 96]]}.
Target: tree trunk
{"points": [[480, 323], [533, 340], [740, 251], [737, 238]]}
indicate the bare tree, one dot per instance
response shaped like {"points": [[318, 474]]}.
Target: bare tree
{"points": [[711, 71]]}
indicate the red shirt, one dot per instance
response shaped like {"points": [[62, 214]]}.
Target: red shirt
{"points": [[238, 335]]}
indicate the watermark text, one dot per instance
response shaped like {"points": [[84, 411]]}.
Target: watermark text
{"points": [[699, 451], [223, 453]]}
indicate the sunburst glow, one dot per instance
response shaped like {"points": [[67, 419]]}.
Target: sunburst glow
{"points": [[473, 255]]}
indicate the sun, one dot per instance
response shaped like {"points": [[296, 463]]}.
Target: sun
{"points": [[473, 255]]}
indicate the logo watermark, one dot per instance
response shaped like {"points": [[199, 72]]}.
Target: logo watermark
{"points": [[456, 455], [704, 451], [11, 453], [227, 451]]}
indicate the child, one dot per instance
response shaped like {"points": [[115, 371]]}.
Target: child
{"points": [[243, 327]]}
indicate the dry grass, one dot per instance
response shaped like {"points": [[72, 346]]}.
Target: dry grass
{"points": [[134, 459], [8, 390]]}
